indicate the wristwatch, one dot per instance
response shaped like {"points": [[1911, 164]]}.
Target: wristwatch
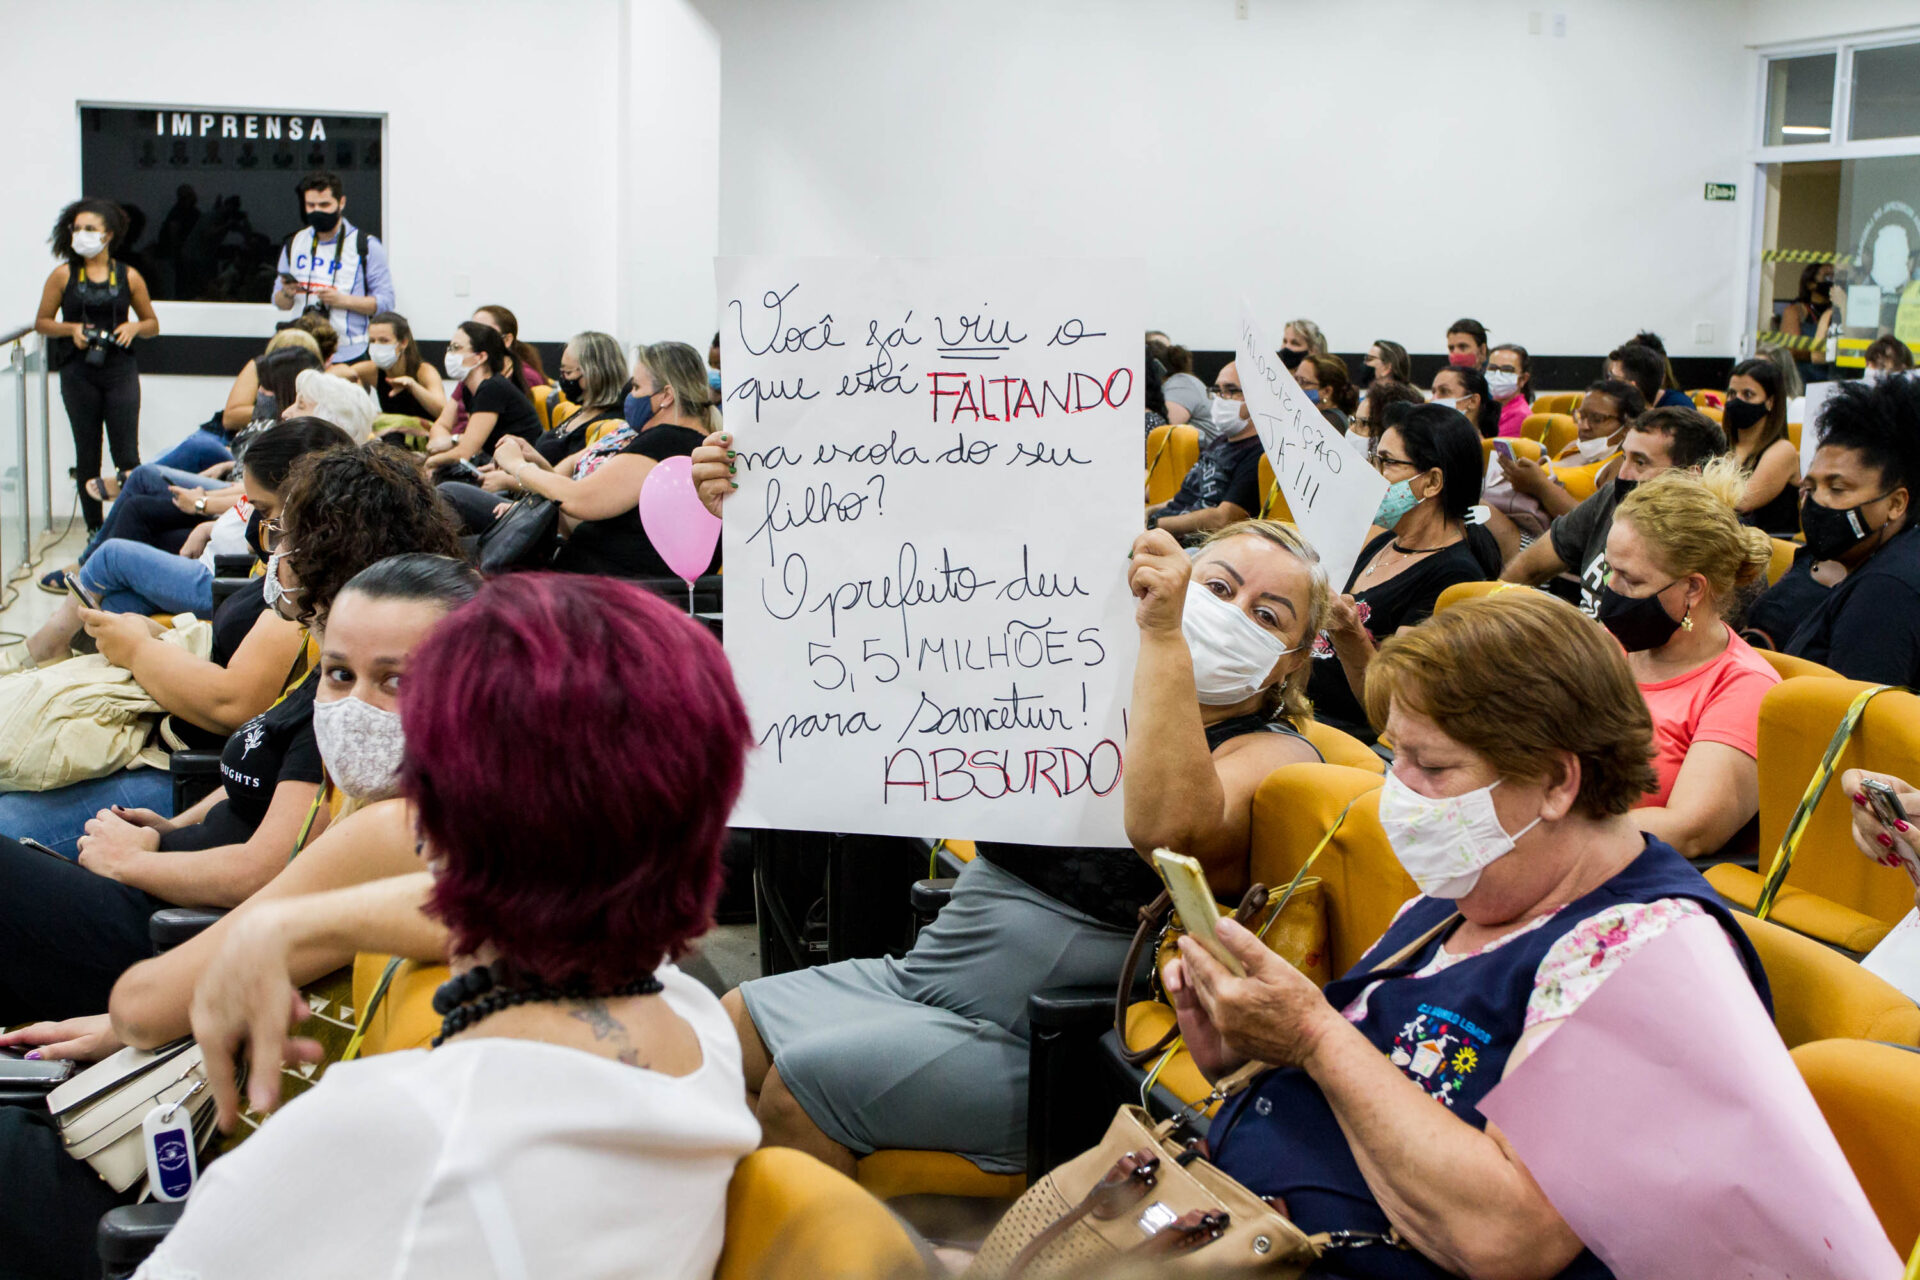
{"points": [[200, 505]]}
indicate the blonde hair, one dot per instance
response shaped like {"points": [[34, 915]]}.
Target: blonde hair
{"points": [[293, 338], [1316, 340], [677, 365], [1456, 669], [1289, 697], [1692, 525]]}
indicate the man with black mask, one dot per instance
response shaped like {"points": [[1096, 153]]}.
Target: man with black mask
{"points": [[1852, 599], [333, 267]]}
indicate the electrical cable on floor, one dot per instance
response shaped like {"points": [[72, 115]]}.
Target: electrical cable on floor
{"points": [[11, 595]]}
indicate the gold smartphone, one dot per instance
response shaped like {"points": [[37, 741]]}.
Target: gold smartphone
{"points": [[1193, 903]]}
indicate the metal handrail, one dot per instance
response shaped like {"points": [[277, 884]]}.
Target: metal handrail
{"points": [[23, 360], [14, 335]]}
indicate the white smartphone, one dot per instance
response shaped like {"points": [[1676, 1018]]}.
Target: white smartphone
{"points": [[1193, 903]]}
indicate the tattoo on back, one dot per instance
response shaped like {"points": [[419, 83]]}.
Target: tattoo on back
{"points": [[605, 1026]]}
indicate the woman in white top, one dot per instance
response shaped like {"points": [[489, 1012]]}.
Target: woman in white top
{"points": [[583, 1109]]}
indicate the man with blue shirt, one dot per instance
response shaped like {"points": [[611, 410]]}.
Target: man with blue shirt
{"points": [[333, 267]]}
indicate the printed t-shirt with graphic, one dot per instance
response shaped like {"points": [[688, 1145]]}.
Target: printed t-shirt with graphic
{"points": [[317, 264], [1226, 471], [1580, 540], [275, 746], [1717, 702]]}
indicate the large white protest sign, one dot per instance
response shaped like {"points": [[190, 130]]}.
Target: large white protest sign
{"points": [[1814, 403], [1332, 491], [926, 599]]}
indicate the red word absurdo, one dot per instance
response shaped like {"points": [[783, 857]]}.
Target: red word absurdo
{"points": [[1006, 399], [953, 773]]}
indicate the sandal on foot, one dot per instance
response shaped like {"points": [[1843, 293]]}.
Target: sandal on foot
{"points": [[97, 487], [55, 582]]}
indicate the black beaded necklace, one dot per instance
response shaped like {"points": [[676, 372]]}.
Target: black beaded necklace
{"points": [[476, 994]]}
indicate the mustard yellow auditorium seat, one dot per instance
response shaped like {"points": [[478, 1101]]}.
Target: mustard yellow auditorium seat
{"points": [[1707, 399], [790, 1217], [1363, 883], [1558, 402], [904, 1172], [1789, 666], [1528, 448], [1870, 1096], [1782, 559], [1342, 748], [1832, 893], [1171, 453], [1560, 430], [1273, 503], [1819, 994]]}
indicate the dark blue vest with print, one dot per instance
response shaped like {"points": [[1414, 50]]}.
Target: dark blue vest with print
{"points": [[1450, 1033]]}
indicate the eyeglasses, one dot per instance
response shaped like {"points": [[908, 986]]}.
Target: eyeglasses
{"points": [[271, 532], [1589, 419], [1381, 461], [1227, 391]]}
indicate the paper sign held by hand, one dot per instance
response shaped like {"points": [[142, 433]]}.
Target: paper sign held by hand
{"points": [[1667, 1123], [1332, 491], [926, 592]]}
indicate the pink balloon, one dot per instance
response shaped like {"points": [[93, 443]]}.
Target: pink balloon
{"points": [[682, 530]]}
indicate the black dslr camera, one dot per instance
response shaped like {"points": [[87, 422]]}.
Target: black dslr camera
{"points": [[97, 340]]}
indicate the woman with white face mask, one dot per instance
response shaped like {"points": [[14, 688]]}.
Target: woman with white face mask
{"points": [[1217, 698], [376, 622], [1508, 804], [399, 377], [1608, 409], [483, 374]]}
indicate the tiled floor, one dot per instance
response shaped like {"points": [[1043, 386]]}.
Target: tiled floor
{"points": [[30, 606]]}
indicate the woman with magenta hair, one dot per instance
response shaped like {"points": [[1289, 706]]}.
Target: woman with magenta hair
{"points": [[582, 1109]]}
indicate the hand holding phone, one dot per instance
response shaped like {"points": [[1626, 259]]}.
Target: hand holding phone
{"points": [[1892, 815], [87, 597], [37, 847], [1504, 448], [1193, 902]]}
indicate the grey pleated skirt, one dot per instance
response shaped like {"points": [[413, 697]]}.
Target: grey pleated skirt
{"points": [[929, 1052]]}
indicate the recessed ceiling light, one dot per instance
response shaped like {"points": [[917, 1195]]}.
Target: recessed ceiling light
{"points": [[1806, 130]]}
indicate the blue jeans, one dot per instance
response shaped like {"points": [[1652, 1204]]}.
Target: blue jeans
{"points": [[58, 818], [145, 491], [131, 577], [197, 452]]}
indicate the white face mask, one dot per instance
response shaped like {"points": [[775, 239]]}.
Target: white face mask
{"points": [[361, 746], [275, 593], [456, 366], [1225, 414], [1452, 402], [383, 354], [1232, 654], [1362, 445], [88, 243], [1502, 383], [1444, 843], [1593, 450]]}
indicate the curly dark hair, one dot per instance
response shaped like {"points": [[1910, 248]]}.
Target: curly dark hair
{"points": [[347, 508], [61, 241]]}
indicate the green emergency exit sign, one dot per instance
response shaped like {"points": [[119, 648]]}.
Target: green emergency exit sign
{"points": [[1719, 191]]}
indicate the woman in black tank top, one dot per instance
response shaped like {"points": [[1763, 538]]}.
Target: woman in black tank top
{"points": [[92, 307]]}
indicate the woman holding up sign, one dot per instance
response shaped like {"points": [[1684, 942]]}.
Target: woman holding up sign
{"points": [[929, 1052], [1431, 460]]}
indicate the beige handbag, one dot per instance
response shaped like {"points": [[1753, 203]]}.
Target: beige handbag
{"points": [[100, 1111], [1148, 1196]]}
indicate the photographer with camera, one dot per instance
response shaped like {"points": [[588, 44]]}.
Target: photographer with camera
{"points": [[332, 267], [102, 307]]}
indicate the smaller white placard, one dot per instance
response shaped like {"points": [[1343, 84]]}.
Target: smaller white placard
{"points": [[1897, 958]]}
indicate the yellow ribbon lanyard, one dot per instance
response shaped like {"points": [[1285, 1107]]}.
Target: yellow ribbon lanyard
{"points": [[373, 1006], [1153, 1075], [1913, 1263], [1273, 496], [1816, 787]]}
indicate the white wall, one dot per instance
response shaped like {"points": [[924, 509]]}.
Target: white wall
{"points": [[1383, 166], [508, 131]]}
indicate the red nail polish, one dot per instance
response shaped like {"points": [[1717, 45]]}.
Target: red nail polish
{"points": [[1858, 798], [1885, 839], [1901, 826]]}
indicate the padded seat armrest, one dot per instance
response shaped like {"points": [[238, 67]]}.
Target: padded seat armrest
{"points": [[239, 566], [928, 896], [224, 588], [171, 926], [129, 1233], [195, 773], [1071, 1008]]}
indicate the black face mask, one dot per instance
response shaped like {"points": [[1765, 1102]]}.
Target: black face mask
{"points": [[322, 221], [1291, 358], [1637, 622], [1831, 532], [1363, 376], [254, 522], [1621, 488], [569, 387], [1738, 415]]}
